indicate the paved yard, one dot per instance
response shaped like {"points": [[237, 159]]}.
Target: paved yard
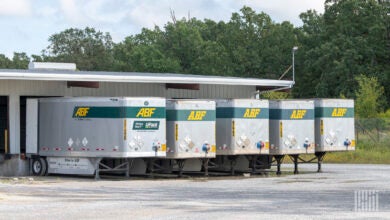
{"points": [[340, 192]]}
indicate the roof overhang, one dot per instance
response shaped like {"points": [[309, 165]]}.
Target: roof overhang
{"points": [[134, 77]]}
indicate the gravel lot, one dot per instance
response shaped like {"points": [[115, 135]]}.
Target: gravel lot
{"points": [[309, 195]]}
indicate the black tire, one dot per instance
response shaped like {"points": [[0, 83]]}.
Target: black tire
{"points": [[39, 166]]}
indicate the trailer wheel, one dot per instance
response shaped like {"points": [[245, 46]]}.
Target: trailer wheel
{"points": [[39, 166]]}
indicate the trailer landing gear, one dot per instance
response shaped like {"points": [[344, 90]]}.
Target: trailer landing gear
{"points": [[205, 166], [295, 158], [122, 167], [180, 164], [233, 162], [320, 157], [279, 160]]}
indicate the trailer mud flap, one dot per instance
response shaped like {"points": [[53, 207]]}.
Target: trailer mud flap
{"points": [[71, 165]]}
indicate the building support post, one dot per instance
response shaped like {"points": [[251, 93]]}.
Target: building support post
{"points": [[14, 124]]}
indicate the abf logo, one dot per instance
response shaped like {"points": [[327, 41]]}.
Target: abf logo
{"points": [[145, 112], [251, 113], [298, 114], [339, 112], [196, 115], [81, 112]]}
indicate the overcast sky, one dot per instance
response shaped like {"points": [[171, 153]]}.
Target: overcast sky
{"points": [[26, 24]]}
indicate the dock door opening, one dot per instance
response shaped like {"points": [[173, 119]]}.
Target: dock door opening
{"points": [[4, 128], [23, 120]]}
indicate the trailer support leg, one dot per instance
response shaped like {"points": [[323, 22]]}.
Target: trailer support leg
{"points": [[97, 170], [320, 156], [180, 164], [295, 160], [254, 163], [151, 165], [233, 162], [205, 162], [129, 165], [279, 160]]}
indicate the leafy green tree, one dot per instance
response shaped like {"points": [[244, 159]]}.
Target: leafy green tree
{"points": [[88, 48], [183, 41], [150, 59], [144, 53], [369, 97], [350, 38], [256, 46], [250, 44], [274, 95], [243, 41], [20, 61], [309, 58], [277, 48], [121, 53], [211, 59], [369, 105], [5, 62]]}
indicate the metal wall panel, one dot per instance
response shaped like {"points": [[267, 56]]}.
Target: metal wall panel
{"points": [[213, 92], [54, 88], [59, 88]]}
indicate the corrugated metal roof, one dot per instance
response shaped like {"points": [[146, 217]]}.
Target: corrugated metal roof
{"points": [[136, 77]]}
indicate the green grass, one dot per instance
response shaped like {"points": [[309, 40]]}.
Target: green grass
{"points": [[367, 152], [361, 156]]}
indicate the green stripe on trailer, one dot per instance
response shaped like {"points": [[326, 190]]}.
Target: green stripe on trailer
{"points": [[230, 112], [334, 112], [291, 114], [191, 115], [118, 112]]}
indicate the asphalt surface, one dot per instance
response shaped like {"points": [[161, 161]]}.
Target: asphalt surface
{"points": [[332, 194]]}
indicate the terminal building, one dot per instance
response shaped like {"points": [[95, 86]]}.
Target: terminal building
{"points": [[64, 80]]}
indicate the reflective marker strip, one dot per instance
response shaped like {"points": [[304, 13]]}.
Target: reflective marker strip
{"points": [[176, 132], [163, 147], [213, 149], [281, 129], [124, 129], [233, 129]]}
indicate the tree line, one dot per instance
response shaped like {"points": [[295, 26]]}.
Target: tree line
{"points": [[350, 39]]}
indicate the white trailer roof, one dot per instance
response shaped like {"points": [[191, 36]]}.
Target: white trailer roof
{"points": [[136, 77]]}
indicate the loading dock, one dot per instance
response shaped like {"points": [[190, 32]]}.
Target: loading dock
{"points": [[4, 147], [42, 81]]}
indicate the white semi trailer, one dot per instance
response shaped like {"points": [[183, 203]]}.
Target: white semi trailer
{"points": [[242, 134], [92, 134], [190, 135]]}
